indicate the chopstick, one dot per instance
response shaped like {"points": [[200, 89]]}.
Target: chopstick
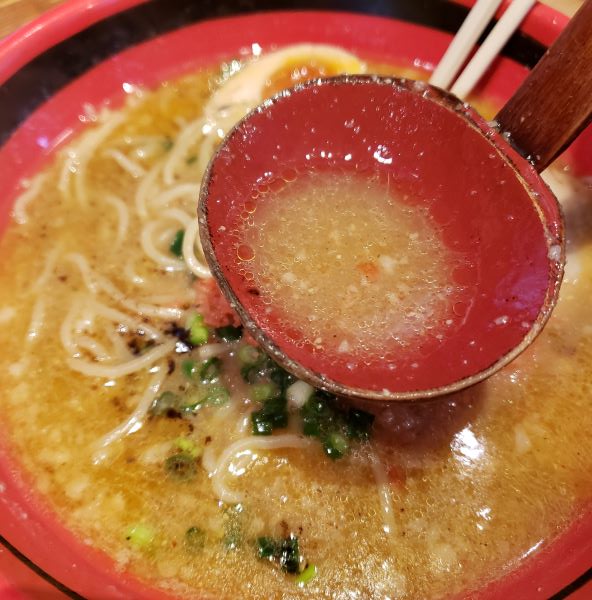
{"points": [[463, 42], [500, 34]]}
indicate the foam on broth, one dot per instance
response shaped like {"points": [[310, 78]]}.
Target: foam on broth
{"points": [[355, 269], [476, 482]]}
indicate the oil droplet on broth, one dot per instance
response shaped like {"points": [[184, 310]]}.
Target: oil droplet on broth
{"points": [[352, 269], [245, 252]]}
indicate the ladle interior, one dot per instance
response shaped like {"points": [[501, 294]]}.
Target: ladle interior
{"points": [[433, 152]]}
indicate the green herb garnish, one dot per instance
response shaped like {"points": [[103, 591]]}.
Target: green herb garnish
{"points": [[198, 332], [229, 333], [181, 467], [176, 246]]}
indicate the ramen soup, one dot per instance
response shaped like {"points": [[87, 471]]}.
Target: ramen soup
{"points": [[350, 266], [161, 435]]}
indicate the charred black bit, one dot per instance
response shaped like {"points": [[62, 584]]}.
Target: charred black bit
{"points": [[283, 552], [171, 366], [138, 346], [179, 332]]}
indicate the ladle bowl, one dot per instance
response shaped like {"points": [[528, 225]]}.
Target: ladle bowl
{"points": [[437, 152]]}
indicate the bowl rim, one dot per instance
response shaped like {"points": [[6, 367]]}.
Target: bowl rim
{"points": [[73, 16]]}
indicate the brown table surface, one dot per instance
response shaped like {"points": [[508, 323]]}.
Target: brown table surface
{"points": [[14, 13]]}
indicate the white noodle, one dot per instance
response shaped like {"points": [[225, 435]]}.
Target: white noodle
{"points": [[206, 151], [79, 156], [147, 188], [95, 283], [208, 351], [165, 261], [208, 459], [188, 137], [248, 447], [116, 370], [37, 321], [176, 214], [32, 189], [131, 275], [76, 324], [182, 296], [122, 217], [68, 168], [135, 420], [68, 325], [97, 349], [118, 344], [124, 319], [190, 240], [47, 270], [166, 235], [384, 493], [7, 313], [190, 190], [126, 163]]}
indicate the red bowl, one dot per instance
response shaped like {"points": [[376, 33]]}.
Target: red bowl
{"points": [[48, 73]]}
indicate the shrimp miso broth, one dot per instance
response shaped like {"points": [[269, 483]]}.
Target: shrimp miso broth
{"points": [[354, 277], [163, 436]]}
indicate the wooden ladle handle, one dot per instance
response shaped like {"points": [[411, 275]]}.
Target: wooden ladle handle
{"points": [[554, 103]]}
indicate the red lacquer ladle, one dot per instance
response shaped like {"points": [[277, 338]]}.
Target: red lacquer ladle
{"points": [[479, 181]]}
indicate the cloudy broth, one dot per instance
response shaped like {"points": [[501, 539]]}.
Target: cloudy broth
{"points": [[97, 324]]}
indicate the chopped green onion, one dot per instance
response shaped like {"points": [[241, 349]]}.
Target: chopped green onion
{"points": [[272, 415], [334, 426], [248, 355], [195, 538], [335, 445], [194, 398], [217, 395], [267, 548], [264, 391], [281, 377], [165, 403], [140, 535], [229, 333], [181, 466], [309, 573], [176, 246], [209, 370], [285, 552], [189, 369], [359, 423], [188, 446], [191, 159], [198, 332], [317, 417], [167, 144], [290, 555]]}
